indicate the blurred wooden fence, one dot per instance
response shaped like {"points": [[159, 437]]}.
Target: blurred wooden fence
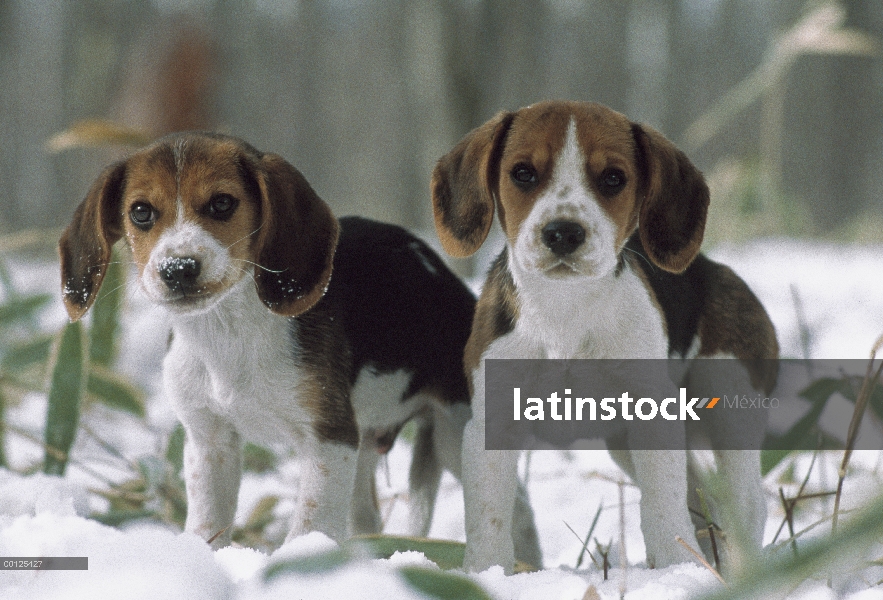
{"points": [[365, 95]]}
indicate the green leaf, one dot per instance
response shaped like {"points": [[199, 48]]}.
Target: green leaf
{"points": [[6, 280], [22, 308], [770, 458], [445, 553], [153, 470], [257, 459], [308, 565], [24, 354], [115, 518], [175, 448], [65, 394], [445, 586], [262, 515], [115, 390], [252, 532], [823, 388], [106, 314], [800, 434], [876, 401], [3, 462], [837, 553]]}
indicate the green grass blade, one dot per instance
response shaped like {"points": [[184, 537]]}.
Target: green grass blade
{"points": [[838, 553], [22, 355], [115, 518], [308, 565], [799, 434], [175, 449], [115, 391], [769, 459], [257, 459], [585, 548], [6, 280], [106, 314], [22, 308], [3, 462], [65, 394], [441, 585], [821, 389]]}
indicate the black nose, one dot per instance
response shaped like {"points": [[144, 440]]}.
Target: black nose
{"points": [[563, 237], [179, 274]]}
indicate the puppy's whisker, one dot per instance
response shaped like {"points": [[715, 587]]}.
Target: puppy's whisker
{"points": [[263, 268], [238, 270], [109, 293], [115, 262], [247, 236], [639, 255]]}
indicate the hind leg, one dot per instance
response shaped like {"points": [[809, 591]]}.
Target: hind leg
{"points": [[737, 488], [365, 510], [423, 479]]}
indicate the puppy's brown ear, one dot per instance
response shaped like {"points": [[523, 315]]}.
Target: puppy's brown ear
{"points": [[672, 217], [465, 184], [296, 241], [86, 244]]}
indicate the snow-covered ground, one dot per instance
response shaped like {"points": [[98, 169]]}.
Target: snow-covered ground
{"points": [[840, 294]]}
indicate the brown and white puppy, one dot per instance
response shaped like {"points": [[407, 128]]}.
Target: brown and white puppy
{"points": [[603, 219], [238, 251]]}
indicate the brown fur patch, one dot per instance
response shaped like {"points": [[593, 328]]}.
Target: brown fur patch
{"points": [[296, 240], [495, 314], [85, 246], [327, 359], [464, 184], [733, 321], [675, 206], [150, 178]]}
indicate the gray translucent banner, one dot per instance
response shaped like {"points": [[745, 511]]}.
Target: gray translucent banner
{"points": [[44, 563], [723, 404]]}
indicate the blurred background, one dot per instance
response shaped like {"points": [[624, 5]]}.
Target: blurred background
{"points": [[779, 103]]}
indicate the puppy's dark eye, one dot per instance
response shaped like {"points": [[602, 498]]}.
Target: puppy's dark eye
{"points": [[142, 215], [611, 181], [524, 176], [221, 207]]}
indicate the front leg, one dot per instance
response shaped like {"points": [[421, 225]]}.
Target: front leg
{"points": [[212, 449], [327, 478], [212, 471], [490, 480], [662, 477]]}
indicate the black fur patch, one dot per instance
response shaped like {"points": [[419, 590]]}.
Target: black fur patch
{"points": [[391, 305], [681, 296]]}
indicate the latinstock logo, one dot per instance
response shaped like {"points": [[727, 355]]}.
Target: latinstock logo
{"points": [[642, 404], [605, 409]]}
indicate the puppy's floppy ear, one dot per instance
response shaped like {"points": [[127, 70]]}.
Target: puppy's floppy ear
{"points": [[464, 185], [85, 245], [672, 218], [296, 241]]}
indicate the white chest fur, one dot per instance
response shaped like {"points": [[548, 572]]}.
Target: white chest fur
{"points": [[240, 362], [237, 361], [607, 317]]}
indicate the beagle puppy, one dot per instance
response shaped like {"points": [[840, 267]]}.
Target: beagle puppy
{"points": [[603, 220], [289, 328]]}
